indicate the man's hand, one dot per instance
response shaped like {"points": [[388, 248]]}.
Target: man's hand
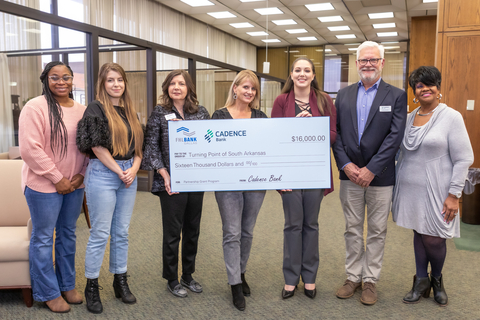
{"points": [[352, 171], [365, 176]]}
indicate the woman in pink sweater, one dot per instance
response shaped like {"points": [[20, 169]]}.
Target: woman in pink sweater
{"points": [[52, 179]]}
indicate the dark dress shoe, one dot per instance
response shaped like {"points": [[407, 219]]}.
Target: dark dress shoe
{"points": [[120, 286], [238, 298], [310, 293], [245, 287], [439, 294], [193, 286], [288, 294], [421, 288]]}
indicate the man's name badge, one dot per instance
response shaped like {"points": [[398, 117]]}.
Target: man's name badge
{"points": [[385, 108], [170, 116]]}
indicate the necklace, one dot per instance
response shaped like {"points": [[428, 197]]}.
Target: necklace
{"points": [[426, 114]]}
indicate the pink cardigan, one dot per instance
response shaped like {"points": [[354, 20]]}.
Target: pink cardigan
{"points": [[42, 170], [284, 106]]}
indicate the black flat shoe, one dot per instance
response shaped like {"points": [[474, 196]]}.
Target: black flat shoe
{"points": [[310, 293], [288, 294]]}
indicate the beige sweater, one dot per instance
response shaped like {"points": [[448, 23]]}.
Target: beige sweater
{"points": [[42, 170]]}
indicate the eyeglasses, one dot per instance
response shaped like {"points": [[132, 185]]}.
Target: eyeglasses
{"points": [[56, 79], [373, 62]]}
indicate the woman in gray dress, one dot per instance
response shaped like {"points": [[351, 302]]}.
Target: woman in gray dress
{"points": [[435, 156]]}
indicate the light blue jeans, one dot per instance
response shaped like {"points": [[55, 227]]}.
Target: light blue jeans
{"points": [[51, 211], [110, 205]]}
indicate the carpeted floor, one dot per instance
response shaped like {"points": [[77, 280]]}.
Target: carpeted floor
{"points": [[461, 274]]}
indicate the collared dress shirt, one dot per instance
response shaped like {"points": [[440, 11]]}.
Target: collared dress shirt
{"points": [[364, 104]]}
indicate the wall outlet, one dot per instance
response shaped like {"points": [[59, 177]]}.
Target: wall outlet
{"points": [[470, 104]]}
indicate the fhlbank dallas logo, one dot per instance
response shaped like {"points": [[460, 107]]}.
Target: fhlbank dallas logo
{"points": [[188, 136], [220, 135]]}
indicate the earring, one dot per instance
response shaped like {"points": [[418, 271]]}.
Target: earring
{"points": [[439, 97], [234, 96], [415, 100]]}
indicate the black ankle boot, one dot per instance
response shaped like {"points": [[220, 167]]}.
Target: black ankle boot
{"points": [[238, 298], [245, 287], [92, 296], [421, 287], [439, 293], [120, 286]]}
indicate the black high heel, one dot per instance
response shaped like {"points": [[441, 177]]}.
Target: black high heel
{"points": [[288, 294]]}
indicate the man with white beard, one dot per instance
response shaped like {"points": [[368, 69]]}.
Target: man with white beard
{"points": [[371, 117]]}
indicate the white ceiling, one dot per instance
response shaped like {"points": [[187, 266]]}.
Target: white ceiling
{"points": [[353, 12]]}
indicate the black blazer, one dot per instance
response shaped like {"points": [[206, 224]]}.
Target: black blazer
{"points": [[382, 135]]}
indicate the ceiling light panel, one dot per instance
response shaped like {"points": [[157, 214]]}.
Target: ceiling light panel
{"points": [[241, 25], [384, 25], [285, 22], [221, 15], [307, 38], [269, 11], [257, 33], [251, 0], [292, 31], [320, 6], [345, 36], [198, 3], [429, 1], [387, 34], [270, 40], [382, 15], [330, 19], [339, 28]]}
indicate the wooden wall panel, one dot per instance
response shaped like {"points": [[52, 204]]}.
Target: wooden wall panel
{"points": [[461, 65], [423, 33], [461, 15], [458, 58], [278, 62]]}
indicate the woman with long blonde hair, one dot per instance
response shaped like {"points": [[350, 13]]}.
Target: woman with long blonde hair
{"points": [[112, 136], [239, 209]]}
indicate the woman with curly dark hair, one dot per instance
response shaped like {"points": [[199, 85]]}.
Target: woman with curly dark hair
{"points": [[113, 137], [52, 180], [181, 212]]}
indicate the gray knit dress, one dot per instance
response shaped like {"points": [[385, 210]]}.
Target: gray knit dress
{"points": [[434, 161]]}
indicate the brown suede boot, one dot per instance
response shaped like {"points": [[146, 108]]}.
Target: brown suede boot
{"points": [[72, 297], [58, 305]]}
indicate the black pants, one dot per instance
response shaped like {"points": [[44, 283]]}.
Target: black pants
{"points": [[181, 213]]}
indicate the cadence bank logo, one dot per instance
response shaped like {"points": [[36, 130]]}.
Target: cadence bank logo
{"points": [[209, 135], [189, 138]]}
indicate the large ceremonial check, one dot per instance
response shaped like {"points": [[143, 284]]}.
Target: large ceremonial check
{"points": [[250, 154]]}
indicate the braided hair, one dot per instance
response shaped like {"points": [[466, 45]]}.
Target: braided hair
{"points": [[58, 131]]}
